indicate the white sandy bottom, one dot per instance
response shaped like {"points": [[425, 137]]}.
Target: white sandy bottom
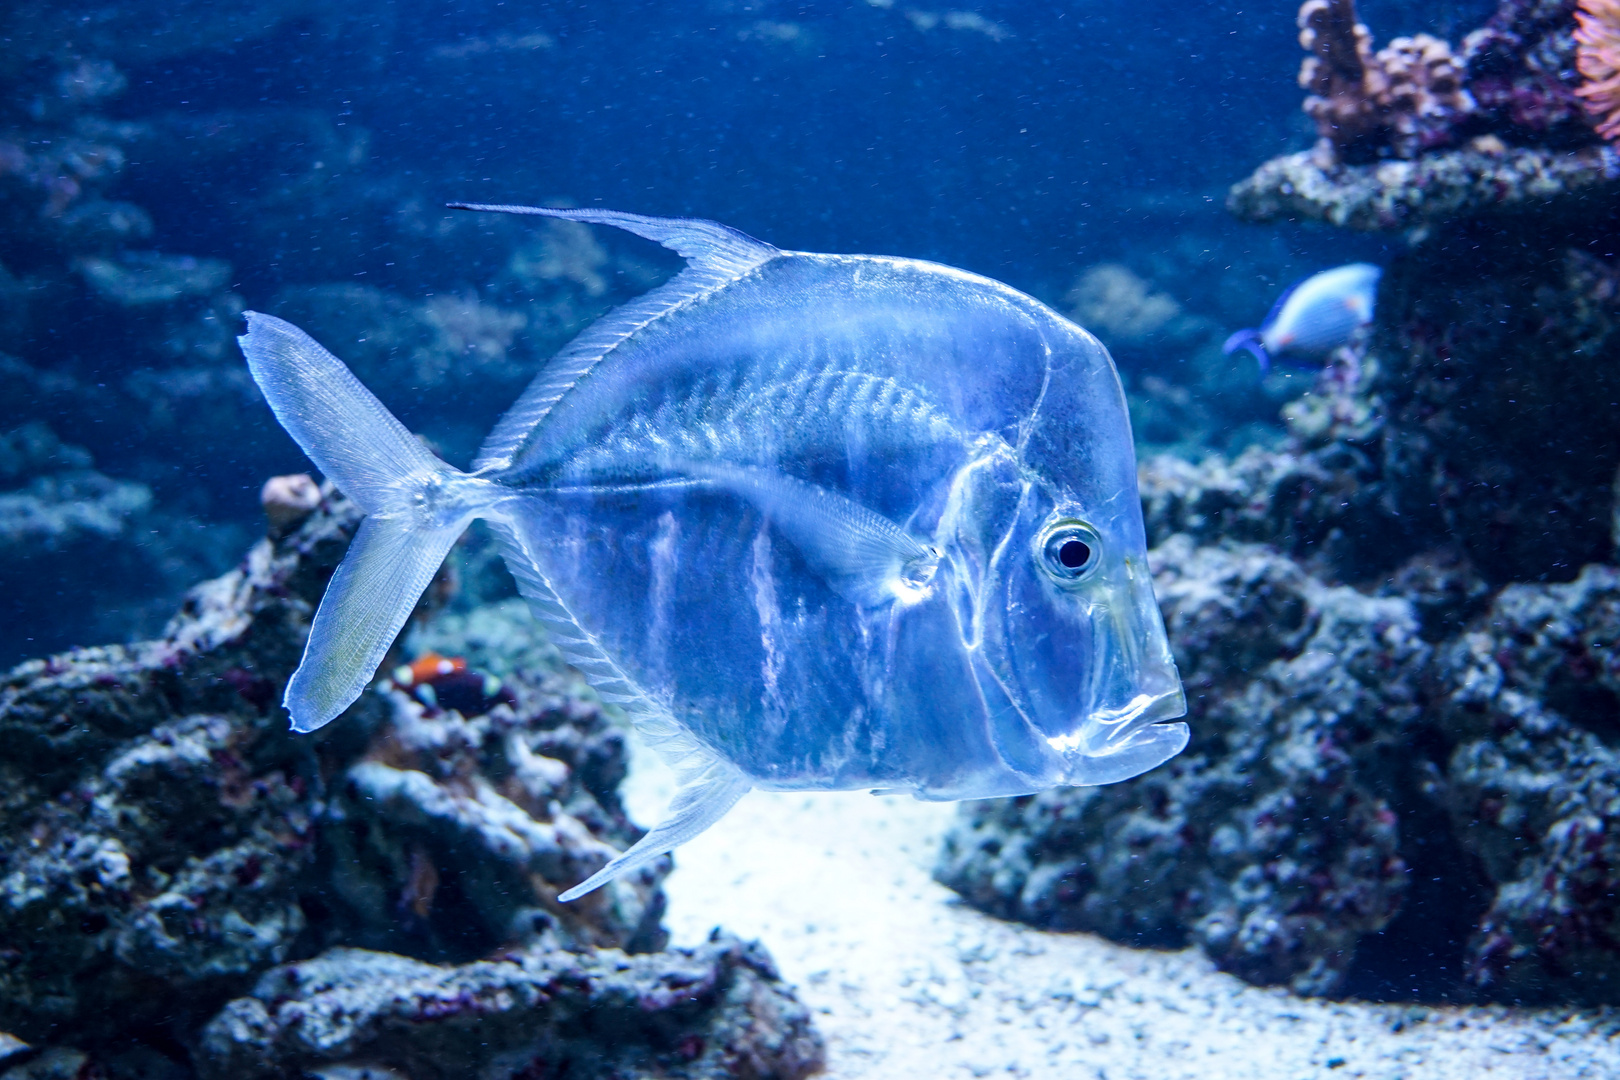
{"points": [[905, 981]]}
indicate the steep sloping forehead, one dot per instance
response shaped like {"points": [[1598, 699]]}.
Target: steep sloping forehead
{"points": [[975, 348], [1080, 438]]}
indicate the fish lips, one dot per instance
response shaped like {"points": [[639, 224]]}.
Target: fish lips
{"points": [[1137, 737]]}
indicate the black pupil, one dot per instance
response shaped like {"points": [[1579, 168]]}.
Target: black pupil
{"points": [[1074, 554]]}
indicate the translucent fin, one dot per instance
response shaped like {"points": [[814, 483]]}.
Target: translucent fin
{"points": [[577, 646], [718, 256], [374, 591], [340, 424], [689, 758], [701, 801], [863, 556], [706, 244], [379, 464], [709, 786]]}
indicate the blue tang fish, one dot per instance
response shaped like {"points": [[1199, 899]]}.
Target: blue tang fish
{"points": [[813, 521], [1313, 317]]}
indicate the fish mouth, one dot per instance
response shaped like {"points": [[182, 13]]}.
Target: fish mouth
{"points": [[1117, 725], [1139, 712]]}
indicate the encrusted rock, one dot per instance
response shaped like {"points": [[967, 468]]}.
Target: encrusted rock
{"points": [[1439, 186], [1417, 135], [716, 1011], [1503, 396], [1533, 785], [164, 838]]}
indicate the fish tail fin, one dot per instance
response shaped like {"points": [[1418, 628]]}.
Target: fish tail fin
{"points": [[416, 507], [1250, 340]]}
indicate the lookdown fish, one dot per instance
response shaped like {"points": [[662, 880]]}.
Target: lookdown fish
{"points": [[1313, 317], [814, 521]]}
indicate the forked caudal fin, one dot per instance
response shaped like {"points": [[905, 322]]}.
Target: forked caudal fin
{"points": [[416, 507]]}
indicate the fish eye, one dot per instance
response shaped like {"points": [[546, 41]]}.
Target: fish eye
{"points": [[1070, 550]]}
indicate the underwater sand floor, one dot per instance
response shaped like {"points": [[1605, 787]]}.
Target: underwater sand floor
{"points": [[907, 982]]}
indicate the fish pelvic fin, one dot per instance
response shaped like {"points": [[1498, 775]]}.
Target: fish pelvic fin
{"points": [[416, 507], [1250, 340], [718, 255]]}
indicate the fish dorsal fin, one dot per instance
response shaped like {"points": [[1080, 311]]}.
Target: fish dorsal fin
{"points": [[716, 255], [704, 244]]}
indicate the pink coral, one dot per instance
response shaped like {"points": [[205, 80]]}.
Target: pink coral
{"points": [[1597, 58]]}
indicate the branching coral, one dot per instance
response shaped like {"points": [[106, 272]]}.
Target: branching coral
{"points": [[1597, 58], [1405, 99]]}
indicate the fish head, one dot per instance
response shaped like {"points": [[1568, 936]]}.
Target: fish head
{"points": [[1072, 656], [1075, 638]]}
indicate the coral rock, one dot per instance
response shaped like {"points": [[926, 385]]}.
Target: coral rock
{"points": [[1436, 187], [165, 839], [1533, 785], [1402, 101], [288, 500], [716, 1011]]}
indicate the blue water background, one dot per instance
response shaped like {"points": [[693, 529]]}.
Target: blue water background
{"points": [[1025, 142]]}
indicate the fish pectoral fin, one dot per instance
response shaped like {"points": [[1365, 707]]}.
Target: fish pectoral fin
{"points": [[861, 555], [701, 801]]}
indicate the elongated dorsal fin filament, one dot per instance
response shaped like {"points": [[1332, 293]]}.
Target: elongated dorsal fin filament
{"points": [[707, 244]]}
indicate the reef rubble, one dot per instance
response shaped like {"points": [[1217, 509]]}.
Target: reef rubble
{"points": [[166, 843]]}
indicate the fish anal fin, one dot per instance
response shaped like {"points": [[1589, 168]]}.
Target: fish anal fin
{"points": [[703, 799], [577, 645]]}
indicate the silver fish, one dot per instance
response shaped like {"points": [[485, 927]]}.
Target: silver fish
{"points": [[1313, 317], [813, 521]]}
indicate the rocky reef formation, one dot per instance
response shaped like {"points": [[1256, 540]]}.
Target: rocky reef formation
{"points": [[118, 332], [166, 843], [714, 1011], [1270, 841], [1396, 633], [1419, 133]]}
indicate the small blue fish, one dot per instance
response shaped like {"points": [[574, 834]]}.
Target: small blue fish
{"points": [[1313, 317], [814, 521]]}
